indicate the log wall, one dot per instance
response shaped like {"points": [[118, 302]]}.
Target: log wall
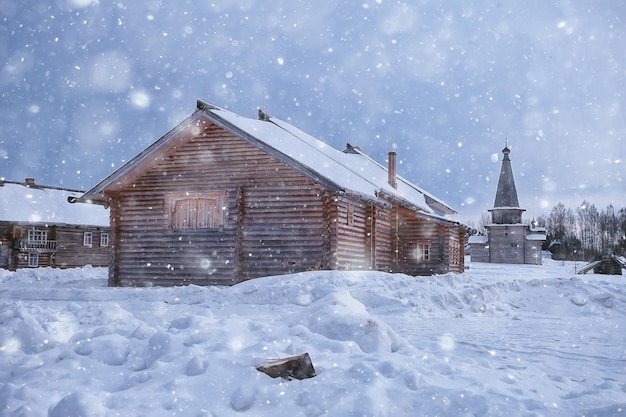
{"points": [[353, 248], [454, 250], [382, 240], [413, 231], [68, 250], [71, 253], [5, 244], [273, 218], [283, 230]]}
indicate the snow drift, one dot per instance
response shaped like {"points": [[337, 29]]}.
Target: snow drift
{"points": [[498, 340]]}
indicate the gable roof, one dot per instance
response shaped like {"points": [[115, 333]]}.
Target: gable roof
{"points": [[350, 173], [39, 204]]}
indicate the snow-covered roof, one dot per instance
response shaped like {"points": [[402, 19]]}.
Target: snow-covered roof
{"points": [[478, 239], [21, 202], [352, 173]]}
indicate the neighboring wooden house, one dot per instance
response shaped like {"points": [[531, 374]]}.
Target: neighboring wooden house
{"points": [[222, 199], [508, 240], [38, 227]]}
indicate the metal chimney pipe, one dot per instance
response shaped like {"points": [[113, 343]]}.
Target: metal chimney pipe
{"points": [[391, 170]]}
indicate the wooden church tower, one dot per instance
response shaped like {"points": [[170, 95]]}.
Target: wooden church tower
{"points": [[508, 240]]}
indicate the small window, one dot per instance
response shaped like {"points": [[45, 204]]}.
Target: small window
{"points": [[423, 251], [88, 239], [197, 211], [37, 236], [104, 239], [33, 259]]}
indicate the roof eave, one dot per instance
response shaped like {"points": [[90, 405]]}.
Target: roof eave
{"points": [[96, 195]]}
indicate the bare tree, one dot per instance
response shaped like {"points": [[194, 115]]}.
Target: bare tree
{"points": [[483, 222], [561, 228], [621, 214], [589, 229], [560, 222], [608, 228]]}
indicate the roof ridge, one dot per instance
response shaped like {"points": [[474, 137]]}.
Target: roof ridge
{"points": [[269, 119]]}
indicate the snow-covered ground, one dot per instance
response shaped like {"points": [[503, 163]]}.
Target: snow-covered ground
{"points": [[499, 340]]}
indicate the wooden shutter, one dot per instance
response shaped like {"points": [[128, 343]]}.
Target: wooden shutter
{"points": [[197, 211]]}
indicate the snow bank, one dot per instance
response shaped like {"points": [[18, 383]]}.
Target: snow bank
{"points": [[497, 340]]}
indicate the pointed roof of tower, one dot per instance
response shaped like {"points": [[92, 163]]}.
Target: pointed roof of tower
{"points": [[506, 194]]}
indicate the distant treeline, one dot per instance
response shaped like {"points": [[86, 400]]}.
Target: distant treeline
{"points": [[586, 232]]}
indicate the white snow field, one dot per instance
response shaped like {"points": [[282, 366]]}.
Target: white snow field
{"points": [[498, 340]]}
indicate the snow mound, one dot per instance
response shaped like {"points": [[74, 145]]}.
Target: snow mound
{"points": [[497, 340]]}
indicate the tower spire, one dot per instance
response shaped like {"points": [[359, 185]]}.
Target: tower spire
{"points": [[506, 194]]}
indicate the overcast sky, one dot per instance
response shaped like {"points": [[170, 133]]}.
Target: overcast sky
{"points": [[86, 85]]}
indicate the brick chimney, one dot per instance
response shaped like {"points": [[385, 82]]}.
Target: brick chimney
{"points": [[29, 181], [391, 170]]}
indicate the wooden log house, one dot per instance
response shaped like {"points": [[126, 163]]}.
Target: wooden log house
{"points": [[39, 228], [221, 199]]}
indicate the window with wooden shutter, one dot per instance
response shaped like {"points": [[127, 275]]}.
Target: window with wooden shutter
{"points": [[197, 210]]}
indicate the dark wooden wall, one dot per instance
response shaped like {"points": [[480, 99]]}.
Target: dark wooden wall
{"points": [[364, 236], [353, 252], [273, 220], [382, 239], [71, 253], [412, 231], [454, 257], [5, 244], [283, 230]]}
